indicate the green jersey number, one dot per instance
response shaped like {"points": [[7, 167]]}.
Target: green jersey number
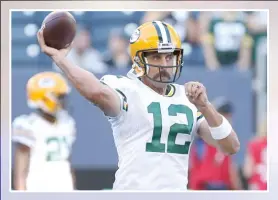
{"points": [[172, 147], [58, 148]]}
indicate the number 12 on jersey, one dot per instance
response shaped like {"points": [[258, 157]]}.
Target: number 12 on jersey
{"points": [[155, 145]]}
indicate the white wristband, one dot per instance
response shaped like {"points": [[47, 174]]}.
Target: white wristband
{"points": [[221, 131]]}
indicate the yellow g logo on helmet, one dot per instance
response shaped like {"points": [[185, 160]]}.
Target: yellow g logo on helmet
{"points": [[158, 37], [44, 90]]}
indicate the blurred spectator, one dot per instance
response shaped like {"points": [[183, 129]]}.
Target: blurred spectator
{"points": [[117, 55], [209, 168], [189, 28], [227, 42], [193, 52], [257, 27], [155, 15], [84, 55], [175, 18], [255, 165]]}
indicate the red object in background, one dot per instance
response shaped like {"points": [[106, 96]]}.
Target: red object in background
{"points": [[211, 169], [257, 149]]}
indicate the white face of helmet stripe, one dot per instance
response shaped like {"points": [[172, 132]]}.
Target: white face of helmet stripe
{"points": [[163, 31]]}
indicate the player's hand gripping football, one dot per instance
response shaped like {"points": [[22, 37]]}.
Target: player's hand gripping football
{"points": [[55, 54], [196, 93]]}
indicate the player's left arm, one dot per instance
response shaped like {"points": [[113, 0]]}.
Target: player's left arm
{"points": [[215, 129]]}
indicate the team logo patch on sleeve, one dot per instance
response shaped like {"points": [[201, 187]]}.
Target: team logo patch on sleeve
{"points": [[124, 99], [199, 115], [125, 106]]}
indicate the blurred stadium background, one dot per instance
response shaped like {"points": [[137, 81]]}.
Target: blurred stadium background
{"points": [[213, 54]]}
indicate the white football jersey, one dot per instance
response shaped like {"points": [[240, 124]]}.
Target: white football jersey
{"points": [[153, 135], [50, 145]]}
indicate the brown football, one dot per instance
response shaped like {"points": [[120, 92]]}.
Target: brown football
{"points": [[59, 29]]}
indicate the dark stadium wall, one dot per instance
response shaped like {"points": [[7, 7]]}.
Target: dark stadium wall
{"points": [[93, 179], [103, 179]]}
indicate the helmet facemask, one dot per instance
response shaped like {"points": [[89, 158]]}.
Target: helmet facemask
{"points": [[142, 61]]}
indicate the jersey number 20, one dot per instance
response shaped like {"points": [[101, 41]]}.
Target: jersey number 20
{"points": [[173, 110]]}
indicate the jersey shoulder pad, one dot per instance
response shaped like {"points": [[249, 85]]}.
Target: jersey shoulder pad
{"points": [[66, 118], [22, 129], [176, 90], [121, 85], [71, 120], [23, 122], [116, 82]]}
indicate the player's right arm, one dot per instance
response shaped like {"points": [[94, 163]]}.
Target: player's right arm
{"points": [[85, 82], [24, 140], [22, 156]]}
